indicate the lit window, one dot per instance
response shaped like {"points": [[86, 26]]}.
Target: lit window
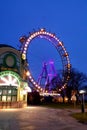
{"points": [[14, 98], [9, 92], [0, 92], [8, 98], [4, 98]]}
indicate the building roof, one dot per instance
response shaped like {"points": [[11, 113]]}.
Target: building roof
{"points": [[5, 45]]}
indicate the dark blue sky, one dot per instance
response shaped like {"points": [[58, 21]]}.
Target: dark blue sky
{"points": [[66, 18]]}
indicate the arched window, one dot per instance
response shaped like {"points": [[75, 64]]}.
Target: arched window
{"points": [[9, 82]]}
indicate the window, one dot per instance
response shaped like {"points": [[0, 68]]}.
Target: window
{"points": [[14, 98], [14, 92], [0, 92], [8, 98], [8, 93], [0, 98], [4, 98], [4, 92]]}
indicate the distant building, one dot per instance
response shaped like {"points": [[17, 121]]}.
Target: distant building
{"points": [[13, 80]]}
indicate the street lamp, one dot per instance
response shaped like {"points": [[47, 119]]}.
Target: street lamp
{"points": [[82, 92]]}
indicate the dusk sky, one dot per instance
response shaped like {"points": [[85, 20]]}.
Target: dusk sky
{"points": [[66, 18]]}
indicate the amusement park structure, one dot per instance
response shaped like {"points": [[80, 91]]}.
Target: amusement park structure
{"points": [[16, 79], [59, 46], [47, 74]]}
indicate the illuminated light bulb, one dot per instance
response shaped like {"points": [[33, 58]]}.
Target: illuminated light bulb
{"points": [[68, 58], [25, 48], [30, 77], [60, 43], [38, 87], [56, 38], [32, 80], [28, 73], [40, 32], [28, 41], [59, 89], [68, 65], [25, 45], [66, 54], [23, 52], [41, 89], [34, 34], [30, 38], [49, 34], [44, 32], [34, 83], [23, 56], [46, 91], [37, 33]]}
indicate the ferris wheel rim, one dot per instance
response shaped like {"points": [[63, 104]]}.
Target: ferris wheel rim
{"points": [[42, 33]]}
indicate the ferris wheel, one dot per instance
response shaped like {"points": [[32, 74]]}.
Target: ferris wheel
{"points": [[59, 46]]}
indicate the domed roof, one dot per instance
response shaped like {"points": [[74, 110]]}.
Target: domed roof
{"points": [[5, 45]]}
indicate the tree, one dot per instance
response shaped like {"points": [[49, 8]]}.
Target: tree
{"points": [[56, 82], [76, 81]]}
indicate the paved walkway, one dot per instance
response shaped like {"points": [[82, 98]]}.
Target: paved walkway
{"points": [[39, 118]]}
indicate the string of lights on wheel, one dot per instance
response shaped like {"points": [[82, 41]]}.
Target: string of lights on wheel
{"points": [[42, 33]]}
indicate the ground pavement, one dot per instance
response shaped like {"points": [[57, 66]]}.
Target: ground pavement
{"points": [[39, 118]]}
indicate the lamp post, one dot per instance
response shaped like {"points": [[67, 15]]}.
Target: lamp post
{"points": [[82, 92]]}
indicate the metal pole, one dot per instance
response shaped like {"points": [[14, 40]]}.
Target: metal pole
{"points": [[82, 106]]}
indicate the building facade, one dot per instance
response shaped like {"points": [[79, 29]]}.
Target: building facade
{"points": [[13, 83]]}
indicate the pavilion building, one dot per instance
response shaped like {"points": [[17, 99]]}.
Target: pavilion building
{"points": [[13, 80]]}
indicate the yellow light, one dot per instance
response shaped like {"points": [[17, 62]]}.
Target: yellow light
{"points": [[23, 56], [27, 73]]}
